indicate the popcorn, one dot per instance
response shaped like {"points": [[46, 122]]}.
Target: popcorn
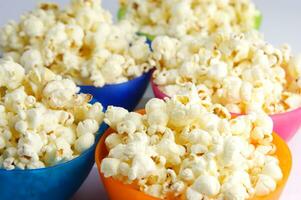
{"points": [[181, 18], [84, 142], [8, 163], [44, 121], [110, 166], [67, 133], [59, 151], [234, 191], [200, 153], [187, 174], [114, 115], [91, 112], [294, 67], [157, 121], [272, 170], [239, 71], [133, 123], [170, 150], [113, 140], [264, 185], [30, 145], [87, 126], [31, 58], [193, 195], [207, 185], [141, 167], [12, 74], [60, 94], [241, 126], [36, 165], [231, 151], [33, 26], [79, 42], [2, 143]]}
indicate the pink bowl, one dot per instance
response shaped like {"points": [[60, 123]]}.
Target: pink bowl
{"points": [[285, 124]]}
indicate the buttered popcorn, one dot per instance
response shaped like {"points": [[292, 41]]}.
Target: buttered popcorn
{"points": [[239, 71], [192, 149], [44, 121], [178, 18], [79, 42]]}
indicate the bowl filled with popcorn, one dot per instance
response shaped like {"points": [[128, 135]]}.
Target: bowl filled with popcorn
{"points": [[240, 71], [82, 43], [187, 148], [48, 134], [181, 18]]}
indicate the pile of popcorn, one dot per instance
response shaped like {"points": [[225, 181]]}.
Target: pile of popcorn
{"points": [[193, 149], [179, 18], [79, 42], [240, 71], [43, 119]]}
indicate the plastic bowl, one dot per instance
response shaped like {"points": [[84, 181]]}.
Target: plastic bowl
{"points": [[59, 182], [285, 124], [126, 95], [117, 190]]}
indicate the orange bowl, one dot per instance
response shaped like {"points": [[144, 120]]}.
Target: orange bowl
{"points": [[117, 190]]}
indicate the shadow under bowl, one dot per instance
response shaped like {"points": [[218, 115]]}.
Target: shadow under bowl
{"points": [[117, 190], [126, 95], [59, 182], [286, 124]]}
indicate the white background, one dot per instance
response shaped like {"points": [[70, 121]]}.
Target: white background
{"points": [[282, 24]]}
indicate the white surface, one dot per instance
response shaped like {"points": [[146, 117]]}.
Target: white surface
{"points": [[281, 25]]}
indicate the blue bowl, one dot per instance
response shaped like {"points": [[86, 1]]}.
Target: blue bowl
{"points": [[59, 182], [126, 95]]}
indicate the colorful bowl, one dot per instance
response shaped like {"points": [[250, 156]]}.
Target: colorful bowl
{"points": [[117, 190], [126, 95], [59, 182], [285, 124]]}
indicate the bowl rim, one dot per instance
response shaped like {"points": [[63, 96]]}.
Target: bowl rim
{"points": [[123, 83], [271, 115], [280, 185], [62, 164]]}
